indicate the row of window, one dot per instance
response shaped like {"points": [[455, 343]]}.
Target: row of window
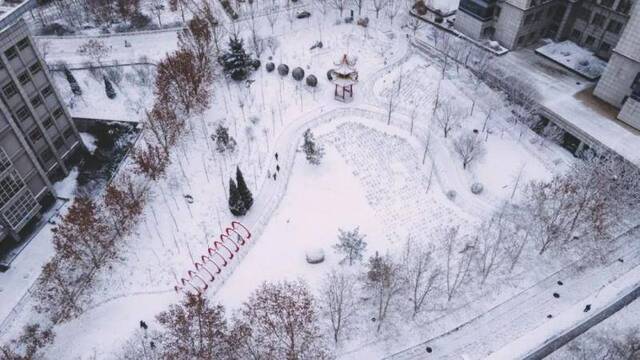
{"points": [[9, 186], [17, 212], [623, 6], [576, 35], [11, 53]]}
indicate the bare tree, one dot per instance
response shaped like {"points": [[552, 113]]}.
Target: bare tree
{"points": [[392, 9], [194, 329], [469, 148], [490, 242], [385, 282], [156, 7], [359, 4], [151, 161], [396, 88], [379, 5], [338, 302], [124, 199], [321, 5], [272, 16], [279, 321], [163, 127], [421, 273], [29, 344], [94, 49], [338, 5], [457, 262], [612, 344], [448, 116], [414, 24], [83, 234]]}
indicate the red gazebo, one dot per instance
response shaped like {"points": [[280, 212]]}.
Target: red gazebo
{"points": [[344, 76]]}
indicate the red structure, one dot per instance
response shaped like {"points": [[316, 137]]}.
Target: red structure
{"points": [[218, 256], [344, 76]]}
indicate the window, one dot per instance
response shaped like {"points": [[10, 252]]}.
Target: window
{"points": [[36, 101], [47, 123], [589, 41], [9, 90], [5, 163], [598, 20], [35, 135], [9, 186], [46, 155], [11, 53], [47, 91], [528, 19], [16, 214], [607, 3], [624, 6], [68, 133], [614, 27], [635, 87], [57, 113], [23, 78], [23, 44], [538, 16], [576, 35], [604, 47], [58, 143], [23, 113], [35, 68], [498, 11]]}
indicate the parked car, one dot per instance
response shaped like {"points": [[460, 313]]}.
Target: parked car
{"points": [[303, 15]]}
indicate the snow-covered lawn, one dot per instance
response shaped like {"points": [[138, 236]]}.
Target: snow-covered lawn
{"points": [[373, 175]]}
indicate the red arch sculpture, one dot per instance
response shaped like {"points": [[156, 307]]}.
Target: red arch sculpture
{"points": [[194, 279]]}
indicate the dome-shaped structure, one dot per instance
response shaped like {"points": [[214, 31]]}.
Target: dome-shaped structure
{"points": [[312, 80], [298, 73], [270, 66], [283, 70]]}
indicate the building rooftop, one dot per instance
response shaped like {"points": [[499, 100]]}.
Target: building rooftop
{"points": [[568, 99]]}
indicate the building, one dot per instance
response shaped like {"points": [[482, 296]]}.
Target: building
{"points": [[38, 139], [619, 85], [594, 24]]}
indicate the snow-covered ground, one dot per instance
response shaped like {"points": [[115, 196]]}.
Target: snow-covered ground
{"points": [[373, 176]]}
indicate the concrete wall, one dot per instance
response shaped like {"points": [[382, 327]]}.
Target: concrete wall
{"points": [[630, 113], [469, 25], [508, 25]]}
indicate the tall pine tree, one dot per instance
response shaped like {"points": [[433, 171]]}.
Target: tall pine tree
{"points": [[236, 62], [243, 190], [236, 205]]}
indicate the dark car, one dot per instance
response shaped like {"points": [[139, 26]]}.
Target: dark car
{"points": [[303, 15]]}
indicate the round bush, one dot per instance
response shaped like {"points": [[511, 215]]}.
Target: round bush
{"points": [[451, 195], [298, 73], [270, 66], [283, 69], [477, 188], [256, 64], [329, 77], [312, 80]]}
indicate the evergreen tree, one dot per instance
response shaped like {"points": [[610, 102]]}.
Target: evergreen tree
{"points": [[236, 204], [223, 140], [313, 150], [236, 63], [351, 244], [111, 93], [243, 190]]}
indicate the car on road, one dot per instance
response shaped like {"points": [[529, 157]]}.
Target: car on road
{"points": [[303, 15]]}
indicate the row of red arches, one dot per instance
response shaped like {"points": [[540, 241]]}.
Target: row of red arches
{"points": [[217, 258]]}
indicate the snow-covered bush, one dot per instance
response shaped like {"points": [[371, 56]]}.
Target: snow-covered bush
{"points": [[108, 88], [312, 80], [477, 188], [283, 69], [313, 150], [451, 195], [298, 73], [315, 256], [270, 66]]}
